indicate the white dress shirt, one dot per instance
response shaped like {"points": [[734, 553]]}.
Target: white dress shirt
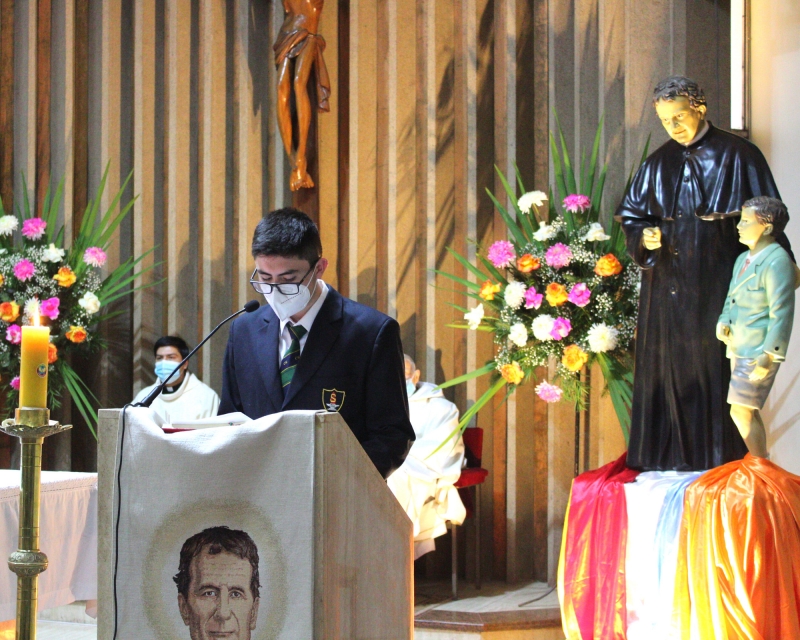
{"points": [[306, 321]]}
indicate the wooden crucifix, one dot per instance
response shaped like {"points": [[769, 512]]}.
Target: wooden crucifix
{"points": [[298, 52]]}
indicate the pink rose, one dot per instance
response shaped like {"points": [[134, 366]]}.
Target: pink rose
{"points": [[557, 256], [94, 256], [561, 328], [548, 392], [33, 228], [15, 383], [14, 334], [24, 270], [579, 295], [533, 300], [49, 308], [501, 254], [577, 203]]}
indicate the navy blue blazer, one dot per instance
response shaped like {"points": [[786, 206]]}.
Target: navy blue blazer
{"points": [[352, 362]]}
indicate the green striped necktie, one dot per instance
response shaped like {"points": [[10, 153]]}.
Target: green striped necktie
{"points": [[292, 356]]}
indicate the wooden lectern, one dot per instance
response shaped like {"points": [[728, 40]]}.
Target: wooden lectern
{"points": [[362, 539]]}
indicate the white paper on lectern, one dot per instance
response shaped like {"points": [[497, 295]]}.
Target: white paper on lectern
{"points": [[225, 420], [254, 478]]}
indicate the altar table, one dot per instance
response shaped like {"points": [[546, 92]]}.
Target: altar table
{"points": [[68, 535]]}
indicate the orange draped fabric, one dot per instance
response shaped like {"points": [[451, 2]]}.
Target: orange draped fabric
{"points": [[591, 571], [738, 574]]}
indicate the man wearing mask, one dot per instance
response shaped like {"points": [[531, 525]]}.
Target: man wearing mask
{"points": [[186, 397], [424, 485], [310, 348]]}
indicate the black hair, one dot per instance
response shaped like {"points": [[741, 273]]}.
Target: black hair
{"points": [[769, 211], [677, 87], [172, 341], [217, 539], [288, 233]]}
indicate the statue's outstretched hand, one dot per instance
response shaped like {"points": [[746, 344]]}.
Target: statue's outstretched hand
{"points": [[724, 333], [651, 237], [762, 367]]}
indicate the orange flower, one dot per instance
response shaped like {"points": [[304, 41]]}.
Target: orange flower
{"points": [[488, 289], [2, 279], [65, 277], [9, 311], [527, 263], [512, 373], [608, 265], [76, 334], [52, 353], [574, 358], [556, 294]]}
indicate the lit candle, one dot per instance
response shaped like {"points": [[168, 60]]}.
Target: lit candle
{"points": [[33, 368]]}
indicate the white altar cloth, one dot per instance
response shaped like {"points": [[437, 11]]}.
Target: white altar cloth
{"points": [[68, 535]]}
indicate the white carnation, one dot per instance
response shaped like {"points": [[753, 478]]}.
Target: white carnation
{"points": [[8, 224], [474, 317], [515, 294], [531, 199], [545, 232], [90, 302], [602, 338], [596, 233], [542, 326], [53, 254], [518, 334]]}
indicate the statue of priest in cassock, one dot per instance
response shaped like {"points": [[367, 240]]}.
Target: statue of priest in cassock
{"points": [[679, 216]]}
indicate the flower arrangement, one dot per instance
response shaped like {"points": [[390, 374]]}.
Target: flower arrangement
{"points": [[64, 285], [561, 287]]}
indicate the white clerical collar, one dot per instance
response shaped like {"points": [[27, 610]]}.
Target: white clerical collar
{"points": [[699, 134], [308, 319]]}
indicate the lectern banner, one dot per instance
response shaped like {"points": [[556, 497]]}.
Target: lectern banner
{"points": [[215, 530]]}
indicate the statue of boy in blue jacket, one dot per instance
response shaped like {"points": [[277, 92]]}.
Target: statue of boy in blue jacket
{"points": [[756, 321]]}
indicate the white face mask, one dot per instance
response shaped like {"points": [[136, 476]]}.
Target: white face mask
{"points": [[286, 306]]}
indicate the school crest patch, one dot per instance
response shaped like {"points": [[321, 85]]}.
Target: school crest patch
{"points": [[332, 399]]}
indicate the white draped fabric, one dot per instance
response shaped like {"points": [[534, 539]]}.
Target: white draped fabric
{"points": [[424, 483], [654, 505], [68, 535]]}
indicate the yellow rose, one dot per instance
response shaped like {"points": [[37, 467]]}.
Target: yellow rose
{"points": [[2, 280], [607, 266], [76, 334], [556, 294], [527, 263], [52, 353], [488, 289], [574, 358], [512, 373], [65, 277], [9, 311]]}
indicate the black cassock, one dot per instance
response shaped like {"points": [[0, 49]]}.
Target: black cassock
{"points": [[681, 417]]}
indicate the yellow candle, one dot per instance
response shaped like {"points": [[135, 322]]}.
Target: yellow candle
{"points": [[33, 369]]}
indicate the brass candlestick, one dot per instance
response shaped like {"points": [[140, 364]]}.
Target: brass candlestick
{"points": [[31, 426]]}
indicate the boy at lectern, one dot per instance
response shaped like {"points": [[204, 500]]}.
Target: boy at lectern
{"points": [[756, 321]]}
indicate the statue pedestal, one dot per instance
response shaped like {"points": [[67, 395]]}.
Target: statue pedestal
{"points": [[659, 554]]}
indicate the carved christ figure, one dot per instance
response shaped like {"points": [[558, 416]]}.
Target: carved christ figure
{"points": [[298, 50]]}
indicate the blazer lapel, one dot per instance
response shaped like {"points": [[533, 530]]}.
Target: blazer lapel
{"points": [[323, 334], [269, 343], [754, 266]]}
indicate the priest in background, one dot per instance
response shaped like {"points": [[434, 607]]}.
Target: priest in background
{"points": [[424, 484], [186, 397]]}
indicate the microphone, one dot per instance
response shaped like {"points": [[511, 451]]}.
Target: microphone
{"points": [[249, 307]]}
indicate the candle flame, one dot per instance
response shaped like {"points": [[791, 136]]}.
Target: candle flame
{"points": [[36, 319]]}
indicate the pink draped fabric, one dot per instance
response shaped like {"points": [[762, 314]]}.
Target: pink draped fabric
{"points": [[591, 573]]}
